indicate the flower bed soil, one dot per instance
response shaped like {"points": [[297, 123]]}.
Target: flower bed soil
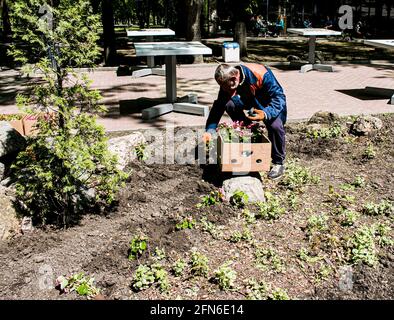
{"points": [[157, 196]]}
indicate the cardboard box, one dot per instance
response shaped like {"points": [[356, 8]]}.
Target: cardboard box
{"points": [[244, 157], [18, 126]]}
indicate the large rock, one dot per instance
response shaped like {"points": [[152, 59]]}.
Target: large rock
{"points": [[9, 224], [11, 141], [124, 146], [366, 126], [249, 185], [323, 117]]}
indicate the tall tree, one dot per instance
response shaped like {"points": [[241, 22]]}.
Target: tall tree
{"points": [[6, 19], [193, 29], [110, 56]]}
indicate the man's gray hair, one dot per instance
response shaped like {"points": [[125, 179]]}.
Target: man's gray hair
{"points": [[224, 72]]}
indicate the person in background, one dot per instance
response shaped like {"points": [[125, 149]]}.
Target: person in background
{"points": [[252, 87]]}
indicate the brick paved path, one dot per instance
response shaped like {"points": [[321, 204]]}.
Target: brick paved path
{"points": [[341, 92]]}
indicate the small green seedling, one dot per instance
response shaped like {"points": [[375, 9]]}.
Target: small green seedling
{"points": [[179, 267], [187, 223], [369, 152], [81, 284], [140, 152], [213, 198], [138, 246], [239, 199], [199, 264], [225, 276]]}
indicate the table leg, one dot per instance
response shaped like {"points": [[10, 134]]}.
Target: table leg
{"points": [[150, 60], [312, 47], [171, 78]]}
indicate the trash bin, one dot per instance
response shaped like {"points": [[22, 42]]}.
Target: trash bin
{"points": [[230, 52]]}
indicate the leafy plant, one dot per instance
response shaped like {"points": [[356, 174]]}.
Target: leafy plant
{"points": [[179, 267], [268, 258], [81, 284], [10, 117], [186, 223], [385, 207], [271, 209], [334, 131], [381, 232], [361, 246], [145, 276], [138, 245], [239, 199], [257, 290], [160, 254], [348, 218], [199, 264], [140, 152], [237, 132], [304, 255], [297, 176], [210, 227], [369, 152], [237, 236], [279, 294], [225, 276], [213, 198], [317, 223], [249, 216]]}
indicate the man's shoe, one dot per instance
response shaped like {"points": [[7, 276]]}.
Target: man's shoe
{"points": [[276, 172]]}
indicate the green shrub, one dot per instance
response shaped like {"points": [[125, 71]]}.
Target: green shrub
{"points": [[66, 169]]}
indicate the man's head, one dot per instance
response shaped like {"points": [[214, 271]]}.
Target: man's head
{"points": [[228, 77]]}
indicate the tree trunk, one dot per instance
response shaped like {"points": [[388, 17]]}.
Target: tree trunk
{"points": [[240, 37], [109, 33], [193, 31], [6, 20]]}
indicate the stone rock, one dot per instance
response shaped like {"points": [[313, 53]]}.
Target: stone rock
{"points": [[27, 225], [9, 224], [124, 146], [323, 117], [11, 141], [253, 187], [366, 126]]}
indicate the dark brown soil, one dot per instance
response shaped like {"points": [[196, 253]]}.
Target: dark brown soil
{"points": [[157, 196]]}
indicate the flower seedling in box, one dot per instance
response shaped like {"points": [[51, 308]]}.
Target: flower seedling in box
{"points": [[243, 148]]}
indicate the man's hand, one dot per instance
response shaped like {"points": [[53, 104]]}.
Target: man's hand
{"points": [[207, 137], [260, 115]]}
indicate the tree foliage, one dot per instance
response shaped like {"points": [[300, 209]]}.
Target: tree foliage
{"points": [[66, 168]]}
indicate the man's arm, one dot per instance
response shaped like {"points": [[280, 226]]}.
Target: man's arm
{"points": [[278, 102], [215, 115]]}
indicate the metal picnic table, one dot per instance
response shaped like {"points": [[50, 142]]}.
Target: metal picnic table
{"points": [[149, 34], [312, 34], [385, 44], [170, 50]]}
